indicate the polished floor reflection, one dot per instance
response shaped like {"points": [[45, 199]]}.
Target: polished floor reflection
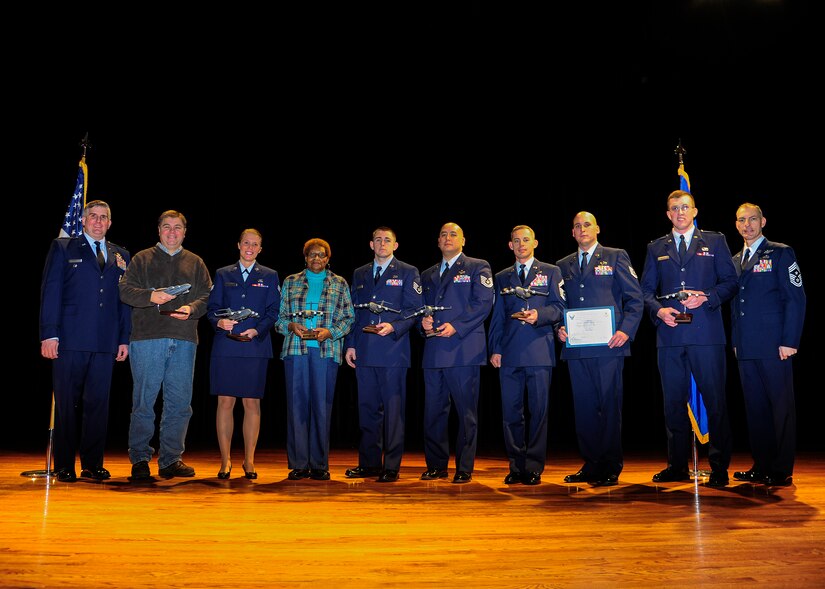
{"points": [[273, 532]]}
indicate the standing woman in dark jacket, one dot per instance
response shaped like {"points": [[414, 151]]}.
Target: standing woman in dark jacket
{"points": [[242, 346]]}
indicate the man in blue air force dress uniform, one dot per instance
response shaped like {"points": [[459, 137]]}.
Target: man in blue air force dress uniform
{"points": [[598, 276], [524, 351], [385, 293], [704, 277], [767, 315], [454, 353], [81, 316]]}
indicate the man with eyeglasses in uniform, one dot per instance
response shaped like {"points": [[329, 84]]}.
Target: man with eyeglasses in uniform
{"points": [[697, 266]]}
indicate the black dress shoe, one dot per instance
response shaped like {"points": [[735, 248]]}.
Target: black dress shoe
{"points": [[610, 480], [672, 475], [433, 474], [512, 478], [578, 477], [531, 478], [319, 474], [777, 480], [67, 476], [250, 474], [98, 474], [140, 471], [462, 477], [360, 472], [388, 476], [296, 474], [749, 476], [718, 479], [224, 474], [176, 469]]}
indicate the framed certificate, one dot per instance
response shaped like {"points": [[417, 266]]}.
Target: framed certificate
{"points": [[593, 326]]}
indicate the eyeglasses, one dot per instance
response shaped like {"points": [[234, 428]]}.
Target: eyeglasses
{"points": [[321, 255], [683, 208]]}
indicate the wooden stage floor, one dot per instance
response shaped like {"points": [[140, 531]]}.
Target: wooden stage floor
{"points": [[205, 532]]}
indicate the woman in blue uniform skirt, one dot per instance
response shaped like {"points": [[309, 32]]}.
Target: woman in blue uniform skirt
{"points": [[242, 346]]}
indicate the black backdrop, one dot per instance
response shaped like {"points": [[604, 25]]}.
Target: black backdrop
{"points": [[329, 125]]}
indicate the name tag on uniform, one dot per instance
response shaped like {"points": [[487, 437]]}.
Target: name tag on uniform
{"points": [[76, 261], [662, 258], [231, 283]]}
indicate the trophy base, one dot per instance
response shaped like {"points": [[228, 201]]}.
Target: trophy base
{"points": [[238, 338], [371, 329], [169, 312], [431, 333], [519, 315], [311, 334], [683, 318]]}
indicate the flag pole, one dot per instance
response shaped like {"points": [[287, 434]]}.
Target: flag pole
{"points": [[48, 472], [696, 472]]}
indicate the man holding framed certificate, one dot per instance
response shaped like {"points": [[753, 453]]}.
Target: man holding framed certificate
{"points": [[605, 306]]}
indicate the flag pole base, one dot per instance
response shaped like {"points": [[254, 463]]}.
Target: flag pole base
{"points": [[38, 474], [45, 472], [696, 472]]}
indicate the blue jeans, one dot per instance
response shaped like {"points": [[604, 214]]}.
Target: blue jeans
{"points": [[169, 363]]}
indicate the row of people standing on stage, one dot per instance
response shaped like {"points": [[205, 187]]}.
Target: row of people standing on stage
{"points": [[368, 323]]}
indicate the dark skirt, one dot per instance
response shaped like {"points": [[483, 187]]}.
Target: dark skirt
{"points": [[238, 377]]}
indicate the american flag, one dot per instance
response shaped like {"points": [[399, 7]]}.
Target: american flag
{"points": [[73, 221]]}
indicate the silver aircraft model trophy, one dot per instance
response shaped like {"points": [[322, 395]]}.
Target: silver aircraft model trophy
{"points": [[427, 311], [239, 315], [176, 290], [681, 296], [524, 294], [307, 314], [376, 308]]}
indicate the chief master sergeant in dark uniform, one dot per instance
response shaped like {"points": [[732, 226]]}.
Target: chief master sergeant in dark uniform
{"points": [[767, 315]]}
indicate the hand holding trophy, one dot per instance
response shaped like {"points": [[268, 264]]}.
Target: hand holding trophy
{"points": [[236, 316], [306, 331], [524, 294], [376, 308], [169, 293], [682, 295], [427, 311]]}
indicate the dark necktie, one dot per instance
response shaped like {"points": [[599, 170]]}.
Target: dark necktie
{"points": [[521, 275], [377, 274], [245, 274], [745, 256], [101, 261], [584, 262], [446, 267], [682, 248]]}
